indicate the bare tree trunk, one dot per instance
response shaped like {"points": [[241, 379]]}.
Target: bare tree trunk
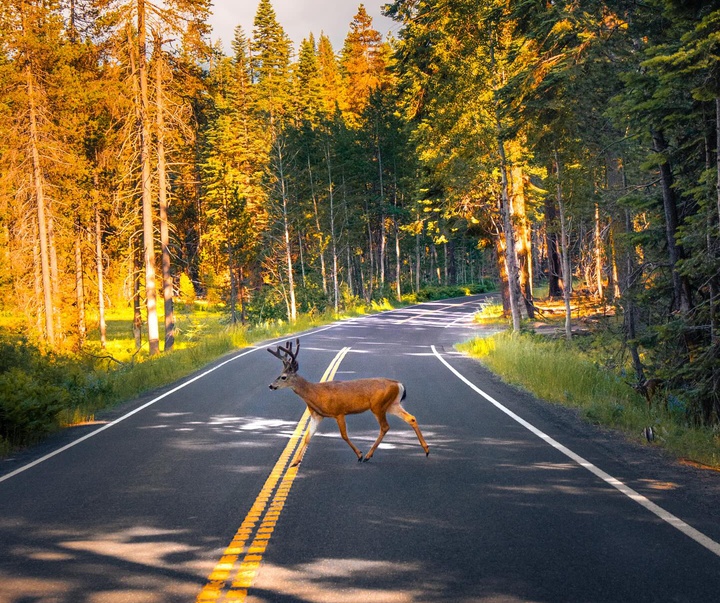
{"points": [[163, 202], [398, 288], [333, 240], [717, 153], [629, 295], [514, 294], [523, 239], [147, 212], [37, 281], [100, 272], [319, 230], [598, 254], [613, 277], [383, 234], [675, 251], [418, 268], [564, 251], [553, 253], [137, 314], [80, 289], [302, 259], [54, 270], [292, 305], [371, 254], [39, 185]]}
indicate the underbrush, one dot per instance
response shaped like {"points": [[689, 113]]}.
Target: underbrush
{"points": [[561, 373], [445, 292]]}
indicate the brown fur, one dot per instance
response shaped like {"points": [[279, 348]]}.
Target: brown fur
{"points": [[336, 399]]}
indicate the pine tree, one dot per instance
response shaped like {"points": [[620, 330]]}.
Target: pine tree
{"points": [[271, 76]]}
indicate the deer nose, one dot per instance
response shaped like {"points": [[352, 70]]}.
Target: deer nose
{"points": [[272, 386]]}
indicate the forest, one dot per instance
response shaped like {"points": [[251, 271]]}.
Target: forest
{"points": [[569, 147]]}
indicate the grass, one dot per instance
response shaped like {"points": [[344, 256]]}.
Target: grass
{"points": [[560, 373]]}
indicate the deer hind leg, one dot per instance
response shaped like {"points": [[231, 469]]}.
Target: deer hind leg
{"points": [[343, 432], [384, 427], [399, 411], [312, 428]]}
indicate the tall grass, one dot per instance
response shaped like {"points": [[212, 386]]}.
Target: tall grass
{"points": [[555, 372]]}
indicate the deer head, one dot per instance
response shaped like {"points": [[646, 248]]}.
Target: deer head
{"points": [[290, 364]]}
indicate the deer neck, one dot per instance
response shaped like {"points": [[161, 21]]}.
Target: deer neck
{"points": [[309, 392]]}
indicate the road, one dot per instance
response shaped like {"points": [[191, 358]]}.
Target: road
{"points": [[185, 494]]}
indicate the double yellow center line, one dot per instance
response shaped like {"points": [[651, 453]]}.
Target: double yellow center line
{"points": [[259, 524]]}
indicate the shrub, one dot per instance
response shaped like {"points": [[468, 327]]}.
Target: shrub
{"points": [[28, 407]]}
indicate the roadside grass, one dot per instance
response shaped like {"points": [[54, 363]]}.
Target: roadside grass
{"points": [[561, 373]]}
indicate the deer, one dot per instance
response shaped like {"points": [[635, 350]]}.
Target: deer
{"points": [[336, 399]]}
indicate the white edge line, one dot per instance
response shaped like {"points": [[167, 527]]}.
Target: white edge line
{"points": [[666, 516]]}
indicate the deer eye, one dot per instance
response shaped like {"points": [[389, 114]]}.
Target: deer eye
{"points": [[283, 377]]}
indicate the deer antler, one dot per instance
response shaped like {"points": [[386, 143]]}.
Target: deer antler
{"points": [[286, 354]]}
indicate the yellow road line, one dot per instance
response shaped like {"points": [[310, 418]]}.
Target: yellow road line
{"points": [[270, 513]]}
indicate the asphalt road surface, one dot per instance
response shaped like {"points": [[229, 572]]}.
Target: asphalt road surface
{"points": [[186, 494]]}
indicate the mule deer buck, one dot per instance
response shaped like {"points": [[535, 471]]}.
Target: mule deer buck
{"points": [[339, 398]]}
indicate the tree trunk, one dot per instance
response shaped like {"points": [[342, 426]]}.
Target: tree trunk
{"points": [[80, 289], [320, 237], [137, 314], [383, 234], [523, 239], [553, 252], [163, 202], [292, 305], [333, 240], [398, 263], [371, 254], [100, 273], [147, 212], [598, 254], [39, 186], [564, 251], [717, 153], [54, 270], [501, 258], [629, 296], [681, 289], [514, 295], [418, 267]]}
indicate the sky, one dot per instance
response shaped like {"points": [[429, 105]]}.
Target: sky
{"points": [[298, 18]]}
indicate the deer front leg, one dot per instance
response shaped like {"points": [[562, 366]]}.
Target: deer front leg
{"points": [[312, 428], [384, 427], [343, 432], [399, 411]]}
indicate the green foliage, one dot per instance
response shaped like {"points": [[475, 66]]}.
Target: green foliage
{"points": [[186, 291], [35, 388], [433, 293], [28, 407]]}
